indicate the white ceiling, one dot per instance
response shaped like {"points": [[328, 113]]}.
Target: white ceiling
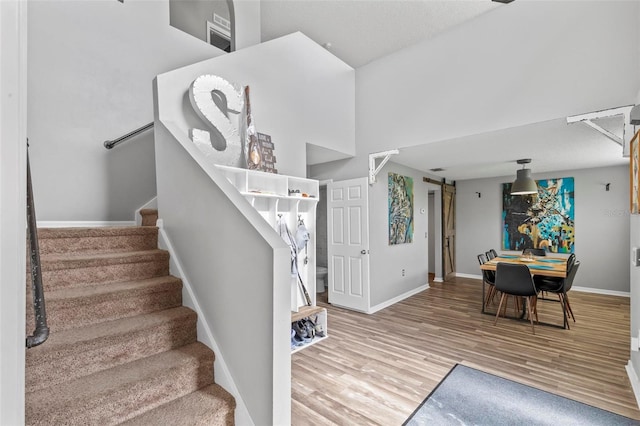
{"points": [[361, 31]]}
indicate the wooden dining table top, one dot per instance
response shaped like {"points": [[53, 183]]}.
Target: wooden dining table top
{"points": [[549, 266]]}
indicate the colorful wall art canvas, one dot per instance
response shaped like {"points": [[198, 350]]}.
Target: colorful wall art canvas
{"points": [[545, 220], [400, 201]]}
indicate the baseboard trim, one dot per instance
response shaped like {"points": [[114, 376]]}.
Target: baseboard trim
{"points": [[223, 377], [601, 291], [83, 224], [574, 288], [438, 280], [471, 276], [397, 299], [635, 383]]}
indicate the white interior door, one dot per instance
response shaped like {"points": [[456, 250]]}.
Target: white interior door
{"points": [[348, 243]]}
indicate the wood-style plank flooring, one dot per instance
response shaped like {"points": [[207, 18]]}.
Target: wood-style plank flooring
{"points": [[376, 369]]}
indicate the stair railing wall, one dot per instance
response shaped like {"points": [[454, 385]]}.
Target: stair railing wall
{"points": [[238, 269], [41, 332]]}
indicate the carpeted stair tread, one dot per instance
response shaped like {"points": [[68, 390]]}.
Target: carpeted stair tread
{"points": [[79, 306], [149, 217], [78, 352], [209, 406], [100, 290], [72, 270], [123, 392], [80, 260], [104, 239]]}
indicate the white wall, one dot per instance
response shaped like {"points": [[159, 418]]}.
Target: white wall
{"points": [[91, 66], [527, 62], [601, 224], [13, 133], [300, 93], [635, 304]]}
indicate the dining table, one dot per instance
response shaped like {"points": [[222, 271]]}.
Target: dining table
{"points": [[549, 266]]}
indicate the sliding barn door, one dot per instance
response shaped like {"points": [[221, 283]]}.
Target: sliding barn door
{"points": [[448, 231], [348, 243]]}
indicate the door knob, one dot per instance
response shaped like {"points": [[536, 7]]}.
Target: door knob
{"points": [[363, 252]]}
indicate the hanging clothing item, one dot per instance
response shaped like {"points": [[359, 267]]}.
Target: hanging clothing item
{"points": [[302, 236], [285, 233]]}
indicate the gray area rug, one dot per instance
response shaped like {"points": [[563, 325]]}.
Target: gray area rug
{"points": [[471, 397]]}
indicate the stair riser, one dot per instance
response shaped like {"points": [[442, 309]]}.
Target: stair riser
{"points": [[118, 272], [89, 357], [149, 217], [104, 244], [126, 403], [67, 314]]}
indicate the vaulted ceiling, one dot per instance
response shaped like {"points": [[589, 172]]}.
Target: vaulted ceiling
{"points": [[497, 80]]}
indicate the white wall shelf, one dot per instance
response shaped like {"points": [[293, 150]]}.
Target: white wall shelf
{"points": [[294, 199]]}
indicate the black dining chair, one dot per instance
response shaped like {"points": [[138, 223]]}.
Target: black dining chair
{"points": [[489, 278], [515, 280], [492, 254], [535, 251], [561, 286]]}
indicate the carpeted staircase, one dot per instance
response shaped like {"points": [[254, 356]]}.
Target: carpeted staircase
{"points": [[122, 348]]}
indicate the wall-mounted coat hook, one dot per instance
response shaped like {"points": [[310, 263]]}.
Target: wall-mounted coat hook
{"points": [[606, 186], [479, 194]]}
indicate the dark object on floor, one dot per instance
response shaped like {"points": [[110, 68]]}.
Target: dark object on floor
{"points": [[467, 396]]}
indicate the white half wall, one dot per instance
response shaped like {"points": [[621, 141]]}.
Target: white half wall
{"points": [[300, 93], [601, 224], [13, 235], [238, 268]]}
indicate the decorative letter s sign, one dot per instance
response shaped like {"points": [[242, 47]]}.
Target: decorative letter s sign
{"points": [[216, 113]]}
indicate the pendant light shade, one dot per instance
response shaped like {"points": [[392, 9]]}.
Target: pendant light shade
{"points": [[524, 183]]}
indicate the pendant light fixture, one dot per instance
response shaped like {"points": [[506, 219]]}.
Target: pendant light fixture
{"points": [[524, 184]]}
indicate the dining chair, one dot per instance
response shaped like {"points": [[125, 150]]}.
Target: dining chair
{"points": [[492, 254], [515, 280], [535, 251], [561, 286], [489, 278]]}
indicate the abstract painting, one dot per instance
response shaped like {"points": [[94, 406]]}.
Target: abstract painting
{"points": [[545, 220], [400, 201]]}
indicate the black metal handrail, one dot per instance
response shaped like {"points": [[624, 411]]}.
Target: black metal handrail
{"points": [[41, 332], [112, 143]]}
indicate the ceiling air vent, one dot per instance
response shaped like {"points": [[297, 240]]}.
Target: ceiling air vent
{"points": [[222, 24], [219, 33]]}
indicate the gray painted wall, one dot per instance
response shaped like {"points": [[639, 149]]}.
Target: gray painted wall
{"points": [[192, 16], [601, 224], [321, 228], [387, 262], [90, 79]]}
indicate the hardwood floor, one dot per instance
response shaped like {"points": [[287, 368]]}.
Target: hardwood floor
{"points": [[376, 369]]}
